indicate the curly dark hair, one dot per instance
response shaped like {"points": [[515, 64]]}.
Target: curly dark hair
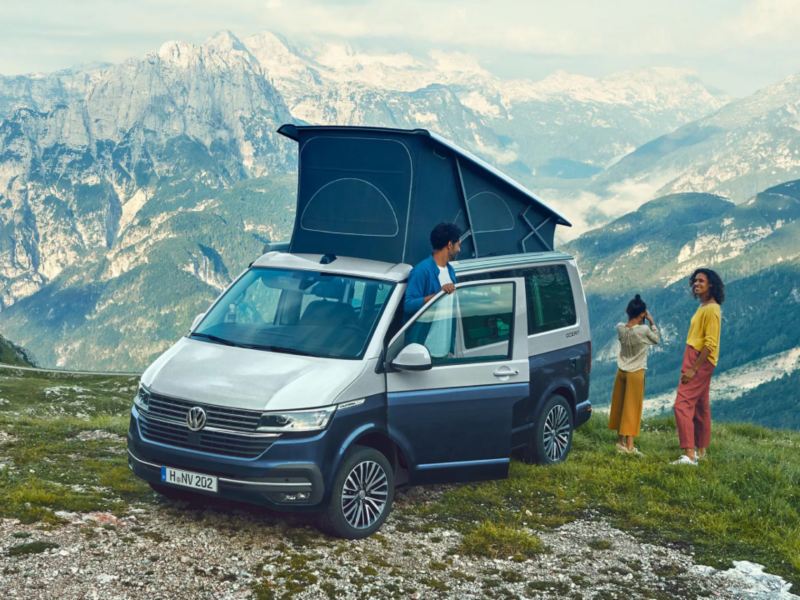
{"points": [[714, 280], [636, 307], [443, 234]]}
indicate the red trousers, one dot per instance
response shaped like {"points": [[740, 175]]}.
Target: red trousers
{"points": [[692, 406]]}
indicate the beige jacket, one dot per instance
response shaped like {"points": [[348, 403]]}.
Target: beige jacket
{"points": [[633, 344]]}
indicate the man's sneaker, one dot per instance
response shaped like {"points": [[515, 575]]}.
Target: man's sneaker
{"points": [[684, 460]]}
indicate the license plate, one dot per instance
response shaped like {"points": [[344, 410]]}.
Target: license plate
{"points": [[196, 481]]}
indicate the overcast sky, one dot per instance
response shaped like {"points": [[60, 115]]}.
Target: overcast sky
{"points": [[737, 46]]}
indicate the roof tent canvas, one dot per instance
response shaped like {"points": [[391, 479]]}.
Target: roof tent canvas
{"points": [[376, 193]]}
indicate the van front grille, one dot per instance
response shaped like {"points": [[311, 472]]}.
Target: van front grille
{"points": [[163, 407], [225, 432], [178, 434]]}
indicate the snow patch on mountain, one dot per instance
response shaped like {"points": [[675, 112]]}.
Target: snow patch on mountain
{"points": [[646, 86], [132, 206], [714, 248], [479, 103]]}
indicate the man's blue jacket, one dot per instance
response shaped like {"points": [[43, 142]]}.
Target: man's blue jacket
{"points": [[423, 281]]}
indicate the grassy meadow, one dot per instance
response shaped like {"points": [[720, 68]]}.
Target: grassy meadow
{"points": [[62, 448]]}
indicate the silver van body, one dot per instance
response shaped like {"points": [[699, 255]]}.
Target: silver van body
{"points": [[302, 388]]}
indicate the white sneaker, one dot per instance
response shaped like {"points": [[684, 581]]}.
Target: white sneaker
{"points": [[684, 460]]}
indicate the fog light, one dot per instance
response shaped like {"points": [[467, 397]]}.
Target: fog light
{"points": [[295, 496]]}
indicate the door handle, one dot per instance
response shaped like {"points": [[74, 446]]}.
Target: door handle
{"points": [[505, 372]]}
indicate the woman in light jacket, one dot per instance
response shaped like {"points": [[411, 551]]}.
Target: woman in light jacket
{"points": [[635, 337]]}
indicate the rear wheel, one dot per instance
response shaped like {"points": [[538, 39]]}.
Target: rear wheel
{"points": [[551, 438], [362, 495]]}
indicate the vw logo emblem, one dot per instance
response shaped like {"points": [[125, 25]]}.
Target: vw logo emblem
{"points": [[196, 418]]}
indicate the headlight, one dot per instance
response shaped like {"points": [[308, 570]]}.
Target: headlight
{"points": [[142, 399], [296, 420]]}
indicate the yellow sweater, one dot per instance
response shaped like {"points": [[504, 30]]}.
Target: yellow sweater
{"points": [[704, 330]]}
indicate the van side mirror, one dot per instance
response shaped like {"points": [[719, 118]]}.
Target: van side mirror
{"points": [[197, 320], [414, 357]]}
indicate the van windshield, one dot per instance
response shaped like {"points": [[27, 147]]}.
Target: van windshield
{"points": [[297, 312]]}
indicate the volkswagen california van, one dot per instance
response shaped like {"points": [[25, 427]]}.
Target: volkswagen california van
{"points": [[302, 388], [305, 387]]}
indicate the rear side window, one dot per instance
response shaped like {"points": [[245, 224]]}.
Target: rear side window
{"points": [[549, 295], [550, 301]]}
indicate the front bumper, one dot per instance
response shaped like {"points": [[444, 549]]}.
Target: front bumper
{"points": [[279, 492], [286, 476]]}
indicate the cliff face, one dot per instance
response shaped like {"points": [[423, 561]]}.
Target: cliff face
{"points": [[76, 170], [83, 152], [130, 194]]}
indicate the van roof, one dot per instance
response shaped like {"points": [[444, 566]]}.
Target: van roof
{"points": [[509, 260], [375, 269], [343, 265]]}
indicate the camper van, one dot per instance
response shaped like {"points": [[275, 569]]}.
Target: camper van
{"points": [[306, 387]]}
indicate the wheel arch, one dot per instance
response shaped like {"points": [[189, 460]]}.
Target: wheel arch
{"points": [[560, 387], [381, 441]]}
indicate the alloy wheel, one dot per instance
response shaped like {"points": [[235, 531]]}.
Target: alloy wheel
{"points": [[364, 494], [557, 430]]}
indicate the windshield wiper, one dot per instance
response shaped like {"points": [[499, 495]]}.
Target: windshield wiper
{"points": [[280, 349], [214, 338]]}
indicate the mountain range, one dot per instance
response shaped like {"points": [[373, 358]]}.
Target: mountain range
{"points": [[86, 155], [754, 246], [131, 194], [747, 145]]}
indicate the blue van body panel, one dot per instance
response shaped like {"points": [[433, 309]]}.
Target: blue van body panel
{"points": [[311, 457], [564, 371], [451, 434]]}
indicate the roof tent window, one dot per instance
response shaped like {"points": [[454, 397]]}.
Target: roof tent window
{"points": [[355, 186], [490, 213], [350, 206]]}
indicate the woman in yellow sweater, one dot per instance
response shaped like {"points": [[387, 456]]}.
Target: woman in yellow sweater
{"points": [[692, 405]]}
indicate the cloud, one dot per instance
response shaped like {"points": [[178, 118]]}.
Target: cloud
{"points": [[768, 19], [730, 44], [588, 210]]}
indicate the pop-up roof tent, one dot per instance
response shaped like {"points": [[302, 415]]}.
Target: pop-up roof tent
{"points": [[376, 193]]}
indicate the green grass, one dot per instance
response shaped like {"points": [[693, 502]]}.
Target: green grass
{"points": [[741, 504], [31, 548], [13, 355], [494, 540], [600, 544], [60, 395], [49, 468]]}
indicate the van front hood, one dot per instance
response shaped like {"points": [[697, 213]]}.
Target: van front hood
{"points": [[210, 373]]}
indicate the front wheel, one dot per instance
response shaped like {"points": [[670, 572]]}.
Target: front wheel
{"points": [[362, 495], [551, 438]]}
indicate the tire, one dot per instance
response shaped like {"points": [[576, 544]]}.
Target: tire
{"points": [[551, 438], [361, 496]]}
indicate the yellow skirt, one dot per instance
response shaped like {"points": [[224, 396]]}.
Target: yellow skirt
{"points": [[625, 415]]}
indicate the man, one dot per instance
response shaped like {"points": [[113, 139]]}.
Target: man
{"points": [[434, 273]]}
